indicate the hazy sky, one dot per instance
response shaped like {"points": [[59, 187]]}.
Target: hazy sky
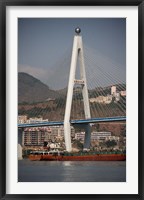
{"points": [[43, 42]]}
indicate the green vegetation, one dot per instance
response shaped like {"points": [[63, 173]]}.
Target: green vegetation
{"points": [[110, 143]]}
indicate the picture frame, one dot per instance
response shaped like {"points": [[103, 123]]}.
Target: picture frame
{"points": [[4, 90]]}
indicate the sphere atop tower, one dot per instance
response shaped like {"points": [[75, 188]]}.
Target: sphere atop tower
{"points": [[77, 30]]}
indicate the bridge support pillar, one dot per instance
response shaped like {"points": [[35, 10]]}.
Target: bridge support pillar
{"points": [[20, 143], [67, 135], [87, 139], [77, 52], [19, 152]]}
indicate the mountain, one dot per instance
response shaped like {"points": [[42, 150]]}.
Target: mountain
{"points": [[62, 91], [31, 90]]}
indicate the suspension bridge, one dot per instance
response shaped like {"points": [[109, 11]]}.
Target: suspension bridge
{"points": [[96, 93]]}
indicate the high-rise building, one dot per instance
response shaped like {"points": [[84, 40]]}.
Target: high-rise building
{"points": [[33, 138], [36, 136]]}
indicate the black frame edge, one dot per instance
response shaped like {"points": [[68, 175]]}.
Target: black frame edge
{"points": [[141, 98], [72, 2], [3, 5]]}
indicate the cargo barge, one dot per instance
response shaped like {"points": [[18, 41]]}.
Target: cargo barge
{"points": [[80, 156]]}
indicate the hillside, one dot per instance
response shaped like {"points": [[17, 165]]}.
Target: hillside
{"points": [[32, 90], [36, 99]]}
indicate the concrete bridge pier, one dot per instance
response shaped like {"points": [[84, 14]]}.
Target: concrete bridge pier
{"points": [[19, 152], [87, 140], [20, 144]]}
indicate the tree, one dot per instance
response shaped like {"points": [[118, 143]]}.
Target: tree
{"points": [[110, 143]]}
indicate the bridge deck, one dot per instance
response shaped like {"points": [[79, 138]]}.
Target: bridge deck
{"points": [[80, 121]]}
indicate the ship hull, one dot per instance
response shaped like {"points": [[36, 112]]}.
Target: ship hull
{"points": [[98, 157]]}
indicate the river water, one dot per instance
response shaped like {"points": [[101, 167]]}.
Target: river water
{"points": [[71, 171]]}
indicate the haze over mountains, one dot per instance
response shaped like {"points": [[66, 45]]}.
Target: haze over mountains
{"points": [[30, 89]]}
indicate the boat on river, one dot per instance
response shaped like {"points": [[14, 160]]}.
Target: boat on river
{"points": [[76, 156]]}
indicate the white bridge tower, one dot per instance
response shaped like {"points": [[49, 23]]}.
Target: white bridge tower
{"points": [[77, 52]]}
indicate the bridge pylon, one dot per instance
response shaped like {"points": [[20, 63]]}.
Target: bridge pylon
{"points": [[77, 52]]}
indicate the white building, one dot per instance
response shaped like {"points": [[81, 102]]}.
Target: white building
{"points": [[123, 93], [102, 99], [117, 96], [80, 136], [108, 99], [116, 138], [100, 135], [103, 135], [38, 135], [113, 90], [36, 120], [22, 119]]}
